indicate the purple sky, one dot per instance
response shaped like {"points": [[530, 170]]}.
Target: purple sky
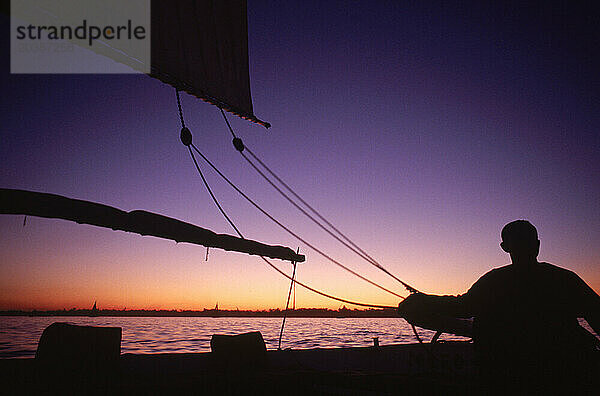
{"points": [[419, 131]]}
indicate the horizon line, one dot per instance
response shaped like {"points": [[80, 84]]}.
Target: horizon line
{"points": [[189, 310]]}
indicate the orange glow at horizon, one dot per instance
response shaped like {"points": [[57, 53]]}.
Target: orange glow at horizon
{"points": [[126, 271]]}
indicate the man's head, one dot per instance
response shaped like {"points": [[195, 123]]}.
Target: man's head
{"points": [[520, 240]]}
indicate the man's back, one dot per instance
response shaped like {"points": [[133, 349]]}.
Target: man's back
{"points": [[534, 306], [526, 322], [527, 336]]}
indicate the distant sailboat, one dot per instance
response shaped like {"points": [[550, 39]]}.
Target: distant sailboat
{"points": [[94, 311], [216, 311]]}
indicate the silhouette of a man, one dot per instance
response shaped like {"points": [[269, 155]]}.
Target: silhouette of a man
{"points": [[526, 333]]}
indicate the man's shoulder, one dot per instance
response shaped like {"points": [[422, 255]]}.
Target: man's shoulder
{"points": [[544, 266], [494, 275], [558, 272], [498, 271]]}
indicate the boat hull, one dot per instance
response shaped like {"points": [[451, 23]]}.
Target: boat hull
{"points": [[411, 368]]}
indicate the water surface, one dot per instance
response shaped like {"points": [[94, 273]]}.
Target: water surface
{"points": [[19, 335]]}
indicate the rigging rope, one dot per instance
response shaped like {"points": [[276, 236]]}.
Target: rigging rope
{"points": [[280, 271], [179, 107], [350, 244], [228, 125], [186, 139], [287, 304], [213, 195], [360, 304], [289, 231], [347, 243], [239, 145]]}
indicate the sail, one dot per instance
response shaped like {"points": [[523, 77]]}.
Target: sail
{"points": [[21, 202], [198, 46], [201, 47]]}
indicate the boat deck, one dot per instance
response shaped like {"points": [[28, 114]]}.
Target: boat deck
{"points": [[407, 368]]}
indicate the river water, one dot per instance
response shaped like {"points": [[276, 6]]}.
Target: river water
{"points": [[19, 335]]}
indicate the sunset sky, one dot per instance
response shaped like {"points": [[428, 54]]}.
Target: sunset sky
{"points": [[419, 131]]}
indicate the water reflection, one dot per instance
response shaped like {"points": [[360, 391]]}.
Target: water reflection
{"points": [[19, 335]]}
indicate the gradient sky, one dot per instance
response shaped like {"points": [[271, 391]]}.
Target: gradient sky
{"points": [[418, 130]]}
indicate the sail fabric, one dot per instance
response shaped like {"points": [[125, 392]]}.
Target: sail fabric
{"points": [[201, 47], [198, 46]]}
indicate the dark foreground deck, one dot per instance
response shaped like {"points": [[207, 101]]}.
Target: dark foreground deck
{"points": [[443, 368]]}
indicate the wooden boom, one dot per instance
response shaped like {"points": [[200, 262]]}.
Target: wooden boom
{"points": [[21, 202]]}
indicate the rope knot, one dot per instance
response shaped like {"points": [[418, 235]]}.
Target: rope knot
{"points": [[186, 136], [238, 144]]}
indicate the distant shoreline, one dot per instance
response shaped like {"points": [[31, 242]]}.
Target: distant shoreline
{"points": [[271, 313]]}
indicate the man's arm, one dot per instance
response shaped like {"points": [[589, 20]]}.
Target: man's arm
{"points": [[427, 305], [461, 306], [587, 304], [441, 312], [437, 313]]}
